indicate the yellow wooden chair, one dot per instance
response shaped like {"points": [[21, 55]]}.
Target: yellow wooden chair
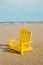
{"points": [[24, 41]]}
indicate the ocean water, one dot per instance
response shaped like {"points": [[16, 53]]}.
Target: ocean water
{"points": [[21, 22]]}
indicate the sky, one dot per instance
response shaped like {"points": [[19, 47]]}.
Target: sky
{"points": [[21, 10]]}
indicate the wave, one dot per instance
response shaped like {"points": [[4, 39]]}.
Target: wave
{"points": [[23, 22]]}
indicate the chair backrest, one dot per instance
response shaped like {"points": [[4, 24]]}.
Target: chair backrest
{"points": [[25, 35]]}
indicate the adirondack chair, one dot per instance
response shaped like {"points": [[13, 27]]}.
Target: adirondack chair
{"points": [[24, 41]]}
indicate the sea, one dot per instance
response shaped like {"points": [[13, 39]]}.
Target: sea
{"points": [[21, 22]]}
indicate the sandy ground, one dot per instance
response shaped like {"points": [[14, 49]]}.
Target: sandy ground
{"points": [[10, 57]]}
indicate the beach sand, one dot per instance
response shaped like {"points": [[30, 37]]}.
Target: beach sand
{"points": [[10, 57]]}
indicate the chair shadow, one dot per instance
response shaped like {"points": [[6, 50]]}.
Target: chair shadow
{"points": [[5, 48]]}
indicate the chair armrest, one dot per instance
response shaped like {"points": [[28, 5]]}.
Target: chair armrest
{"points": [[13, 40]]}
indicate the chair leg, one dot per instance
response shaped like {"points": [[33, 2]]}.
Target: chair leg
{"points": [[22, 52]]}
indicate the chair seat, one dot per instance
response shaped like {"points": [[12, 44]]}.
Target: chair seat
{"points": [[17, 47]]}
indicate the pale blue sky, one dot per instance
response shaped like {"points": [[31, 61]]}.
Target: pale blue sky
{"points": [[21, 10]]}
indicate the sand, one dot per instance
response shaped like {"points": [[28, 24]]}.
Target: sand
{"points": [[10, 57]]}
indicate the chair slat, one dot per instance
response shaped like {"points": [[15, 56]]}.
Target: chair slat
{"points": [[25, 35]]}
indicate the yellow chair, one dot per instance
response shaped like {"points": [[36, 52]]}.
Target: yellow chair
{"points": [[24, 41]]}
